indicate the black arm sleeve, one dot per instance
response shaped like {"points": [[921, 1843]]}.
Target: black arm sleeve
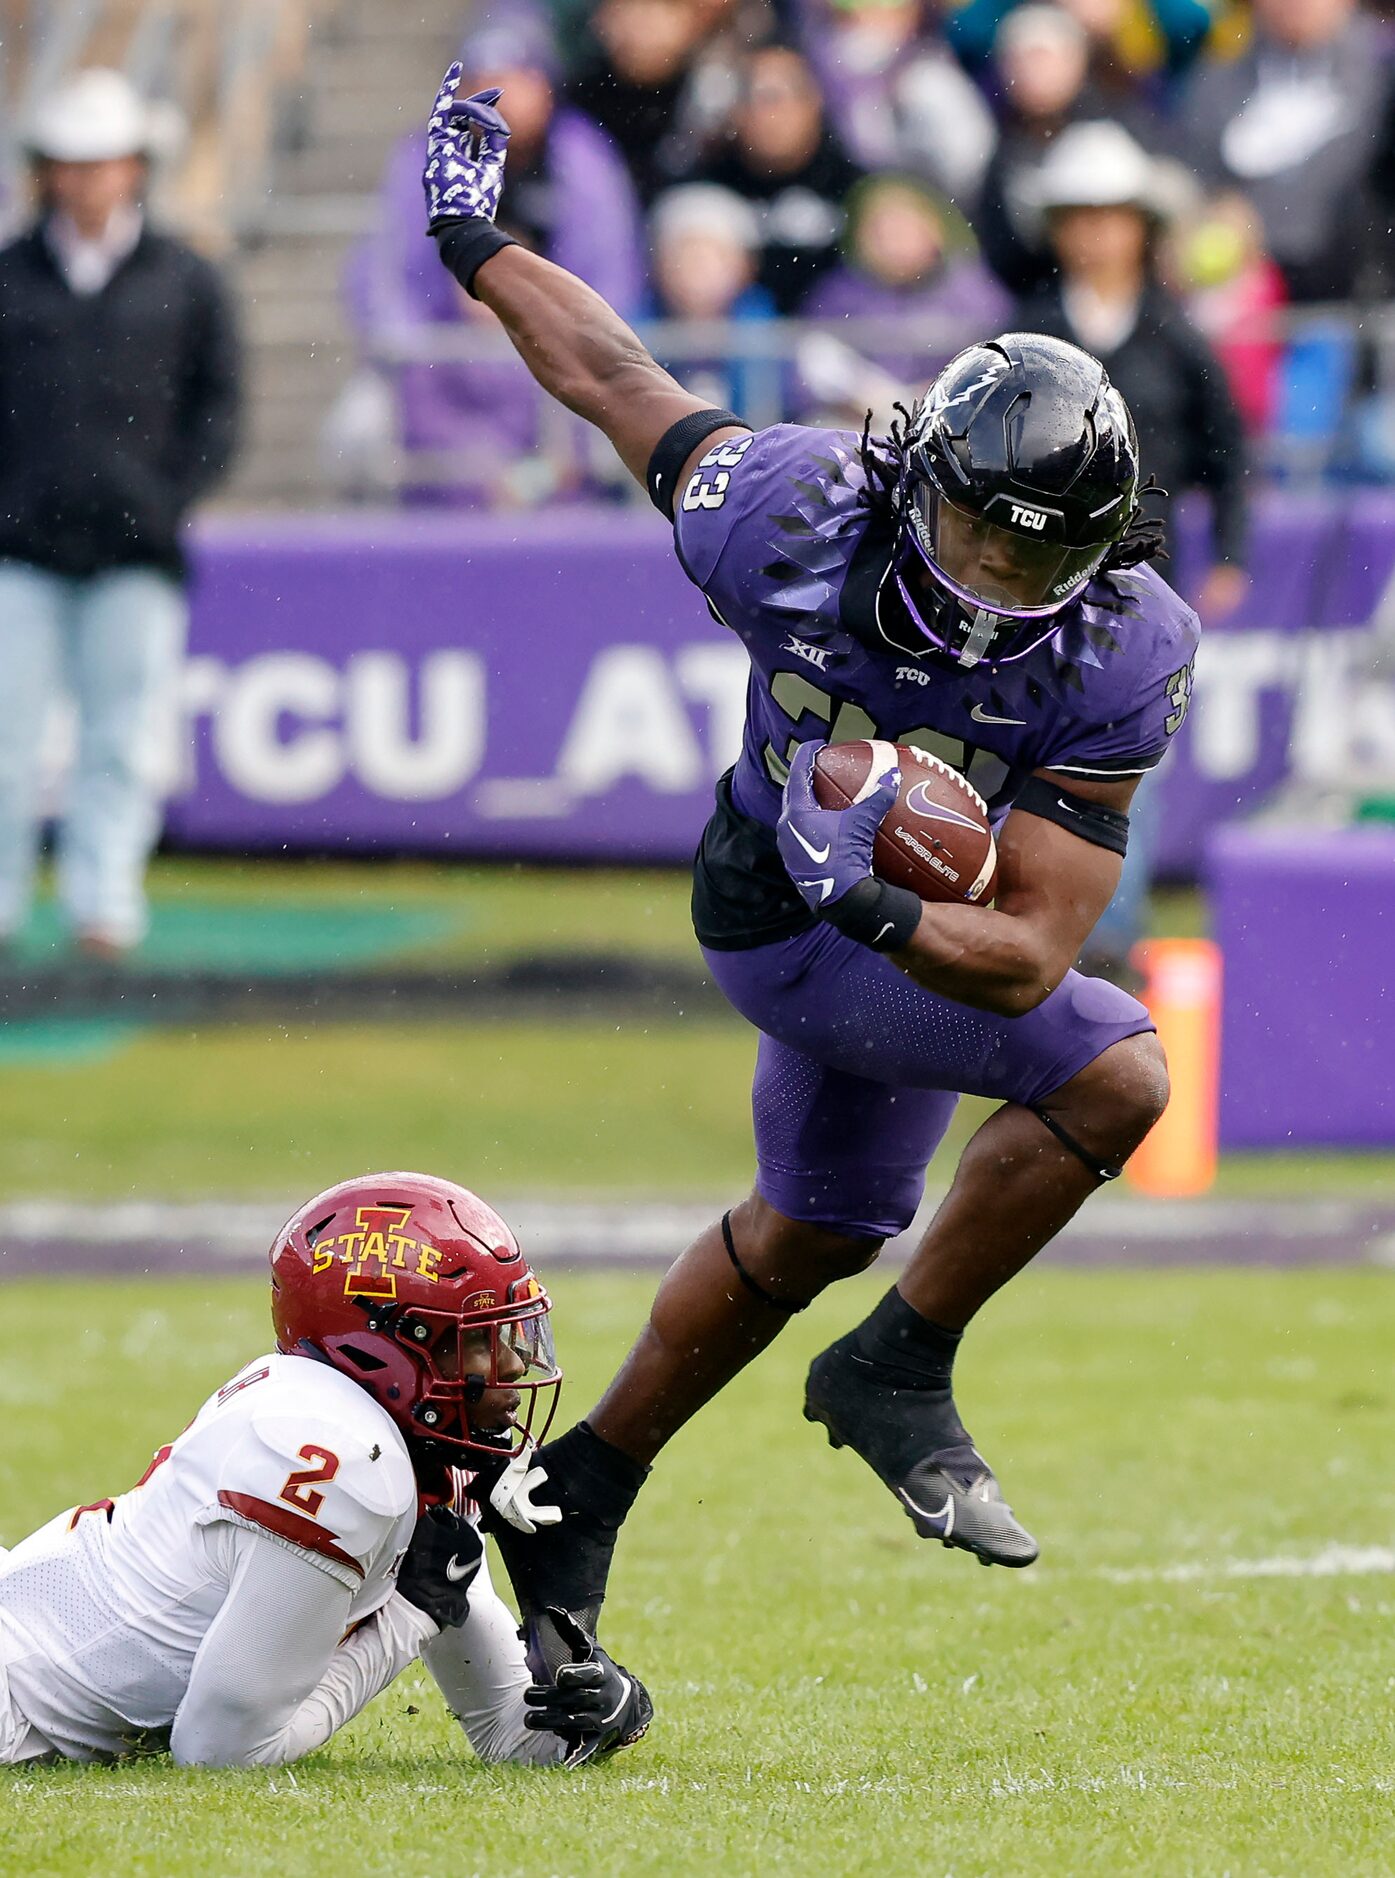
{"points": [[674, 448]]}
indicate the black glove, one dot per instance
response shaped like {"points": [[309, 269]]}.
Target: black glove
{"points": [[579, 1692], [445, 1554]]}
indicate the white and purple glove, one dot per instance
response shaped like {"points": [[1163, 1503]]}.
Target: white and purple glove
{"points": [[465, 146], [826, 852], [828, 855]]}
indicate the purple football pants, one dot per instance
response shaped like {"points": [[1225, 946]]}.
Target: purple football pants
{"points": [[859, 1070]]}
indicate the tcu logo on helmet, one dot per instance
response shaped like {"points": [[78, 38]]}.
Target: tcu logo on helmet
{"points": [[1027, 518]]}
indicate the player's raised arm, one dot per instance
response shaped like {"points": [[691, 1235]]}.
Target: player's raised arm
{"points": [[576, 346]]}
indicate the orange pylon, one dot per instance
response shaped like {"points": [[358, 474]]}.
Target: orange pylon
{"points": [[1183, 993]]}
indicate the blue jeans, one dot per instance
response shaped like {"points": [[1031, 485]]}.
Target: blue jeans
{"points": [[114, 643]]}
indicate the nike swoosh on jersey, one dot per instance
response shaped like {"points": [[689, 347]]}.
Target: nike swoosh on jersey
{"points": [[980, 716]]}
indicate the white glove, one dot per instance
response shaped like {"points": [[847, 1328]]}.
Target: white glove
{"points": [[512, 1497]]}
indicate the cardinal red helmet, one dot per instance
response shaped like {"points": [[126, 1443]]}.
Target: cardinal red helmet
{"points": [[419, 1291]]}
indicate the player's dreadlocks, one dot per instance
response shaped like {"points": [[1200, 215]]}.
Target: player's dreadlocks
{"points": [[882, 461], [883, 464]]}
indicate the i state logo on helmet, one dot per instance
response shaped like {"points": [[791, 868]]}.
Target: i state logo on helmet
{"points": [[374, 1250], [418, 1291]]}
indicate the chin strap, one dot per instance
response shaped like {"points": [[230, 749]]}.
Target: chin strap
{"points": [[1100, 1169], [980, 637]]}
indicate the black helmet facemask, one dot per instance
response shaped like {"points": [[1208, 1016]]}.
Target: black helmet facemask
{"points": [[1043, 496]]}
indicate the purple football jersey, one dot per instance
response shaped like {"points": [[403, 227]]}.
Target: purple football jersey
{"points": [[776, 531]]}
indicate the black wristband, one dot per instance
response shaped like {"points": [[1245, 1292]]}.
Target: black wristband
{"points": [[466, 243], [876, 914]]}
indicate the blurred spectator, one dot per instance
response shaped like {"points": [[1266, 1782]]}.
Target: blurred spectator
{"points": [[910, 258], [1295, 123], [118, 405], [1042, 54], [899, 99], [706, 244], [1136, 46], [480, 420], [783, 157], [636, 80], [477, 430], [1234, 294], [1132, 41], [1104, 199], [569, 195]]}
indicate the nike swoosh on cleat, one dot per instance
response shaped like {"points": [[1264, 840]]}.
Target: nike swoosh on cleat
{"points": [[946, 1513], [455, 1571], [980, 716], [817, 855]]}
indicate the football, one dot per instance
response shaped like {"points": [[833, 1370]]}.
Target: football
{"points": [[935, 838]]}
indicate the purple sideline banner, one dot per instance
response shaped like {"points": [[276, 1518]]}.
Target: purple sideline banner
{"points": [[1307, 931], [476, 686], [554, 687]]}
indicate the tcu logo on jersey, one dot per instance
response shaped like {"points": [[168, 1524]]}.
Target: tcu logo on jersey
{"points": [[1027, 518]]}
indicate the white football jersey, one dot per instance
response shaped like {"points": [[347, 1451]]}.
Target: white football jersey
{"points": [[103, 1610]]}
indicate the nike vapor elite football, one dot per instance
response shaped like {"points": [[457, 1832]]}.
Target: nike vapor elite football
{"points": [[935, 838]]}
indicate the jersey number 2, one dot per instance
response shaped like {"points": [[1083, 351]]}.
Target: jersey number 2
{"points": [[299, 1490]]}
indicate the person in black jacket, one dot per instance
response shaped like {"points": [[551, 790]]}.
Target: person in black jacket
{"points": [[1042, 55], [783, 156], [118, 407], [1102, 199]]}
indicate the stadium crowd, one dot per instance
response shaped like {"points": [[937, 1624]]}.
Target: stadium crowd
{"points": [[820, 200]]}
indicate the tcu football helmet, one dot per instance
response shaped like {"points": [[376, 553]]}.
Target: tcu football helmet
{"points": [[417, 1290], [1018, 473]]}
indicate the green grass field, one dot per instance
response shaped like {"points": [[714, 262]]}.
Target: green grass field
{"points": [[644, 1107], [114, 1108], [1193, 1681], [834, 1696]]}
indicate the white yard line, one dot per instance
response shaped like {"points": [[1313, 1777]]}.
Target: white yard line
{"points": [[646, 1230], [1333, 1561]]}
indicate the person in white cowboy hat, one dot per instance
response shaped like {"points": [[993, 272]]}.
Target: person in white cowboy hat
{"points": [[1105, 201], [118, 406]]}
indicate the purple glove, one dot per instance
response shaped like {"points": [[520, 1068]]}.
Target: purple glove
{"points": [[826, 852], [465, 145]]}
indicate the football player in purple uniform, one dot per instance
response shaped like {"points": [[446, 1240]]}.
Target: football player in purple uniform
{"points": [[976, 583]]}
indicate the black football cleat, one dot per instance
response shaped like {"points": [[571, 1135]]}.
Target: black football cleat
{"points": [[913, 1440]]}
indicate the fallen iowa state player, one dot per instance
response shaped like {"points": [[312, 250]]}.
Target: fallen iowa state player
{"points": [[976, 585], [311, 1532]]}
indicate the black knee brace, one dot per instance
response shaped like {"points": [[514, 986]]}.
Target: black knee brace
{"points": [[1100, 1169]]}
